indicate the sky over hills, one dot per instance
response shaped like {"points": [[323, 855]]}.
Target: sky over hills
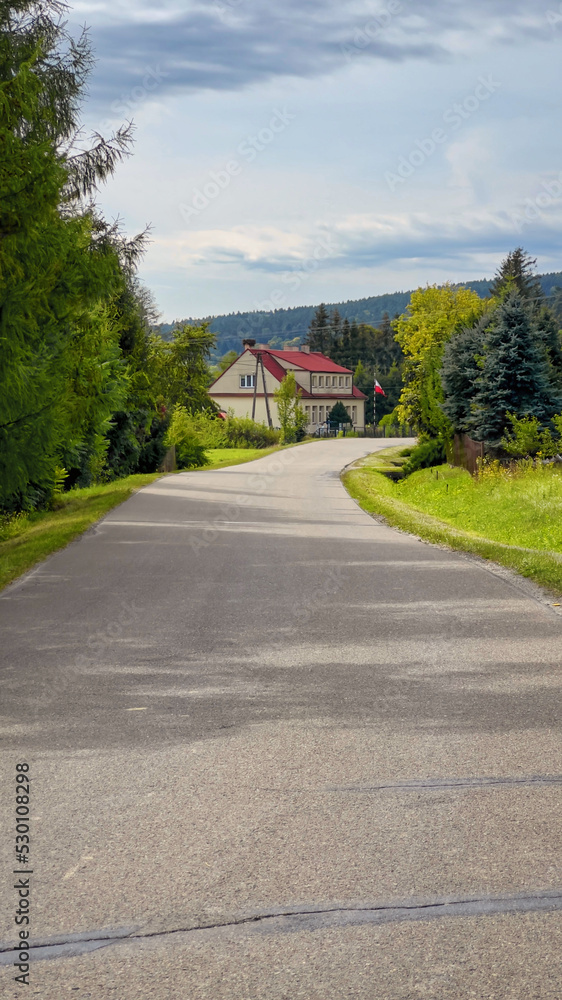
{"points": [[311, 151]]}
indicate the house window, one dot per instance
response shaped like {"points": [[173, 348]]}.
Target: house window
{"points": [[247, 381], [347, 381], [314, 381], [307, 411], [341, 382], [354, 414], [321, 381], [348, 413], [320, 414], [313, 414], [334, 380]]}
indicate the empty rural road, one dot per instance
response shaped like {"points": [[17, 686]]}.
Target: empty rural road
{"points": [[279, 750]]}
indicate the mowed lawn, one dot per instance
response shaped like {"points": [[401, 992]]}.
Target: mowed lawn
{"points": [[511, 518], [29, 538], [523, 509]]}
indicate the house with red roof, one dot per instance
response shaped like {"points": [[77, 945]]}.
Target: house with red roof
{"points": [[247, 386]]}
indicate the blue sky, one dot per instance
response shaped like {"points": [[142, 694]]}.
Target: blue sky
{"points": [[308, 151]]}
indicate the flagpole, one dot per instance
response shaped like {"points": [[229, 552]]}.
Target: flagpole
{"points": [[374, 405]]}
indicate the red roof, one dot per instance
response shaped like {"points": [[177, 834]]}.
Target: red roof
{"points": [[313, 362]]}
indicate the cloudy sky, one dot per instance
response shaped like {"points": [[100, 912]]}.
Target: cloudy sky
{"points": [[328, 149]]}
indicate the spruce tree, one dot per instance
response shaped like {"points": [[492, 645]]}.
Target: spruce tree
{"points": [[345, 348], [518, 271], [461, 369], [339, 414], [548, 332], [515, 377], [319, 337]]}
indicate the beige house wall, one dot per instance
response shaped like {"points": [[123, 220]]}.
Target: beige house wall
{"points": [[242, 407]]}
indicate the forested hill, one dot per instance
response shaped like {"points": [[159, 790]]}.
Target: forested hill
{"points": [[282, 325]]}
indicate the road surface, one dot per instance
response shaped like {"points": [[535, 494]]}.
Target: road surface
{"points": [[279, 750]]}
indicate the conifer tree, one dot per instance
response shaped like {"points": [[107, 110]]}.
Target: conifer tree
{"points": [[60, 263], [319, 337], [463, 358], [515, 377], [517, 271]]}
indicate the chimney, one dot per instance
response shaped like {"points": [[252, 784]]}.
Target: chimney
{"points": [[248, 343], [305, 348], [262, 347]]}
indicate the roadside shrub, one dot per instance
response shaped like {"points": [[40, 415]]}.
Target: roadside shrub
{"points": [[528, 438], [190, 453], [425, 455], [241, 432], [209, 429]]}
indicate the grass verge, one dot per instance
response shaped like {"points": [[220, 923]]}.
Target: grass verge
{"points": [[513, 512], [30, 538]]}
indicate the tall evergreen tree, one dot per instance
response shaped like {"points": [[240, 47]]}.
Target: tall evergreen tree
{"points": [[517, 270], [515, 377], [463, 358], [319, 336], [345, 357], [548, 332]]}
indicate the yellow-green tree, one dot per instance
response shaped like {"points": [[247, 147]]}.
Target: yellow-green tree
{"points": [[291, 414], [432, 316]]}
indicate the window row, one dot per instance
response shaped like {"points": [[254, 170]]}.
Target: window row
{"points": [[331, 381], [315, 414]]}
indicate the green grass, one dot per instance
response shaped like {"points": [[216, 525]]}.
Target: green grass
{"points": [[29, 538], [514, 520], [221, 457]]}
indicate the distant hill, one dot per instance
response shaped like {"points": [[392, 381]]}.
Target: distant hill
{"points": [[282, 325]]}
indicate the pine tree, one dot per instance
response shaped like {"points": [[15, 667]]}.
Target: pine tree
{"points": [[319, 337], [515, 378], [517, 271]]}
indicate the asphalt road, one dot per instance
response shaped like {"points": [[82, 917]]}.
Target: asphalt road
{"points": [[279, 750]]}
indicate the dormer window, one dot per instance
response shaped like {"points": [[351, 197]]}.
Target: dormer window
{"points": [[313, 381], [320, 381], [347, 381], [341, 381]]}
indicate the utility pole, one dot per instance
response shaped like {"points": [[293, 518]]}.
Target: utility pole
{"points": [[269, 420], [255, 387]]}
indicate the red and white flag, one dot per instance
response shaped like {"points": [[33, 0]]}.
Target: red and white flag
{"points": [[379, 389]]}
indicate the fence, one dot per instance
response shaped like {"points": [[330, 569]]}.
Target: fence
{"points": [[465, 453], [391, 431]]}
